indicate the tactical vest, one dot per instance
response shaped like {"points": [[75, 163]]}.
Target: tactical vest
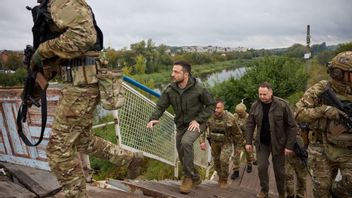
{"points": [[241, 122], [334, 132], [337, 131], [218, 128]]}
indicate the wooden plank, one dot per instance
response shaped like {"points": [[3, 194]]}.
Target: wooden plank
{"points": [[251, 180], [42, 183], [10, 189], [94, 191], [205, 190]]}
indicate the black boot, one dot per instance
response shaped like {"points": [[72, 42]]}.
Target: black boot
{"points": [[235, 174], [249, 168], [290, 196]]}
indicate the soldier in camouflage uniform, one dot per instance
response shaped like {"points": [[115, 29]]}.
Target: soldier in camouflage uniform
{"points": [[71, 129], [241, 117], [330, 140], [294, 166], [223, 134]]}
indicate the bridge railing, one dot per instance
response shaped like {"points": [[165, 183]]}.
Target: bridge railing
{"points": [[130, 128], [158, 143]]}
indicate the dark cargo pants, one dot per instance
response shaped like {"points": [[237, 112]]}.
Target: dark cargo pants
{"points": [[184, 146], [278, 161]]}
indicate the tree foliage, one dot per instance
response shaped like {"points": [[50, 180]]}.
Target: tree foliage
{"points": [[140, 64], [344, 47], [285, 74], [14, 61], [15, 79]]}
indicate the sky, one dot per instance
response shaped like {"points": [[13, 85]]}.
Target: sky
{"points": [[226, 23]]}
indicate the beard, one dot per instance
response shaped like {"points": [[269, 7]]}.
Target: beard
{"points": [[177, 81]]}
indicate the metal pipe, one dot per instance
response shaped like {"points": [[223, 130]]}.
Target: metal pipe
{"points": [[141, 86]]}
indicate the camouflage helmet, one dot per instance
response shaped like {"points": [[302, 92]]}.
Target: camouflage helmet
{"points": [[340, 67], [240, 108], [340, 71]]}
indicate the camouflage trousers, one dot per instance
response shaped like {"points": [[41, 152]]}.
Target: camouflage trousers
{"points": [[71, 133], [221, 153], [324, 164], [295, 167], [237, 157]]}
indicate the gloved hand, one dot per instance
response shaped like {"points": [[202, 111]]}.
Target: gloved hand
{"points": [[36, 61], [333, 113]]}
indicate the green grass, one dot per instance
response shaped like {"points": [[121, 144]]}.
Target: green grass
{"points": [[316, 72], [197, 70]]}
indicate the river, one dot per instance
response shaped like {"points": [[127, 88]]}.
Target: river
{"points": [[226, 74]]}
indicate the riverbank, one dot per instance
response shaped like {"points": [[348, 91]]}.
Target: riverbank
{"points": [[156, 80]]}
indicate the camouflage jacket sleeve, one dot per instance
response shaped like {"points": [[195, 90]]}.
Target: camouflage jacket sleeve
{"points": [[308, 107], [161, 106], [235, 132], [74, 19]]}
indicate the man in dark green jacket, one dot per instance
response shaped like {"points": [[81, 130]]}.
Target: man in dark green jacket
{"points": [[276, 134], [193, 105]]}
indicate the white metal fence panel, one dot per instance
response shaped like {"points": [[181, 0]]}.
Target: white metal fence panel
{"points": [[158, 143]]}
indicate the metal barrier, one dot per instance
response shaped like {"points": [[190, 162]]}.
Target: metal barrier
{"points": [[130, 128], [158, 143]]}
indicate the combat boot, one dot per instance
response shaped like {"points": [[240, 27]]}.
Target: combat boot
{"points": [[249, 168], [262, 194], [135, 166], [235, 175], [223, 183], [186, 185]]}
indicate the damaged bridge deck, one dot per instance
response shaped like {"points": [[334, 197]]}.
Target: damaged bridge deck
{"points": [[22, 181]]}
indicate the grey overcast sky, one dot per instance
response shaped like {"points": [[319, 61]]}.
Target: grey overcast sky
{"points": [[227, 23]]}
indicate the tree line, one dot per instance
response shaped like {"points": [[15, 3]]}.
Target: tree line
{"points": [[145, 57], [285, 71]]}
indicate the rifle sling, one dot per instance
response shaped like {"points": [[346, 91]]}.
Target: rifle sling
{"points": [[21, 115]]}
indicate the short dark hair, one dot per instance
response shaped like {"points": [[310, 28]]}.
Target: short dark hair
{"points": [[219, 100], [185, 66], [265, 85]]}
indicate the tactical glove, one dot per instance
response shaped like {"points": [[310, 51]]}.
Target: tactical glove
{"points": [[333, 113], [36, 61]]}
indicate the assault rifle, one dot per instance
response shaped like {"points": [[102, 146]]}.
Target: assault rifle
{"points": [[35, 85], [302, 154], [328, 97]]}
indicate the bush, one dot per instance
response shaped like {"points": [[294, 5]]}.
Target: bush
{"points": [[286, 75], [15, 79]]}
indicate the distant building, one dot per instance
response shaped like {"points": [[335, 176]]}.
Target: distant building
{"points": [[211, 49], [4, 56]]}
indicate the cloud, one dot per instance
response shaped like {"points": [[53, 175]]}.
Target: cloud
{"points": [[253, 23]]}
